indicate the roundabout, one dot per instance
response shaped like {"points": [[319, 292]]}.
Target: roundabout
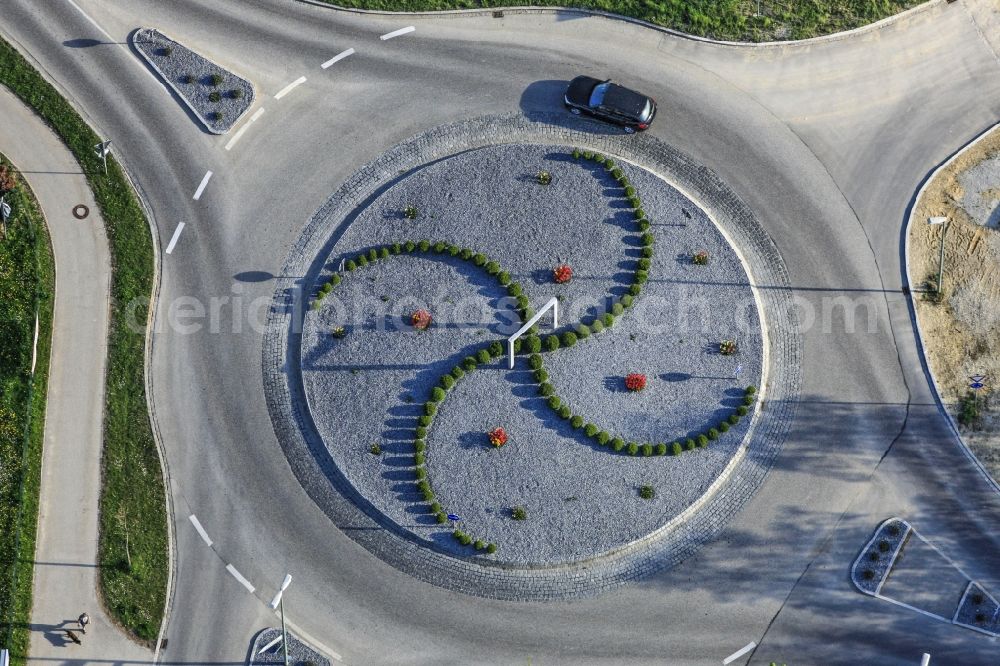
{"points": [[648, 257]]}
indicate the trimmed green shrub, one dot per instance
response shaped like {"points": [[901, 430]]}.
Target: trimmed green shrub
{"points": [[215, 79], [644, 264], [421, 473], [419, 445], [634, 202], [517, 346], [440, 247], [638, 213], [479, 259], [457, 372], [535, 361], [376, 449], [492, 268], [428, 495], [441, 517], [409, 246], [430, 408], [552, 343], [647, 252], [647, 492], [469, 363], [397, 248], [690, 444], [466, 253], [646, 239], [545, 389], [518, 513], [590, 430], [618, 444], [609, 164], [534, 344], [702, 441], [496, 349], [583, 331], [576, 422], [733, 419], [634, 290], [576, 153], [424, 245], [454, 250], [420, 432], [587, 155], [742, 410], [480, 544], [617, 309], [215, 96], [523, 302], [750, 390], [597, 326], [373, 255], [569, 339], [633, 448], [713, 434], [641, 276], [565, 412], [555, 402], [491, 548], [629, 192], [503, 277], [447, 382], [616, 173], [676, 449], [484, 356], [384, 253], [541, 375], [362, 260], [626, 300], [661, 449], [647, 450], [608, 319], [437, 394], [424, 420], [724, 426], [603, 438], [749, 399], [350, 265], [423, 485], [465, 539], [643, 224]]}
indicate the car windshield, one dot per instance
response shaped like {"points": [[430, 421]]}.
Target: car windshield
{"points": [[597, 97]]}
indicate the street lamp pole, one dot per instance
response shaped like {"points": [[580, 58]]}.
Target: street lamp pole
{"points": [[278, 603]]}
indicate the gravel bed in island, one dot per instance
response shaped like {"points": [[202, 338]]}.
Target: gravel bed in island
{"points": [[873, 564], [216, 96], [299, 653], [505, 229], [978, 610]]}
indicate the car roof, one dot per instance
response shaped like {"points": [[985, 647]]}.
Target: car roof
{"points": [[624, 101], [579, 89]]}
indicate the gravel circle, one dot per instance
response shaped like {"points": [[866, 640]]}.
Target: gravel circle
{"points": [[190, 75], [331, 228], [489, 200]]}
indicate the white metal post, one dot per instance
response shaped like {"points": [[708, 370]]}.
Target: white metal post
{"points": [[925, 660], [278, 603]]}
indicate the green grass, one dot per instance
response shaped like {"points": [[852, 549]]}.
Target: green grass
{"points": [[27, 280], [133, 518], [733, 20]]}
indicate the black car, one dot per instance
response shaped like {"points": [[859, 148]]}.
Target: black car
{"points": [[610, 101]]}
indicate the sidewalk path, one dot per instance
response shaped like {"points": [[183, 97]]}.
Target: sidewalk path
{"points": [[65, 578]]}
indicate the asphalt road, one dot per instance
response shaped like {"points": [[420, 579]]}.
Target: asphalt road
{"points": [[827, 142]]}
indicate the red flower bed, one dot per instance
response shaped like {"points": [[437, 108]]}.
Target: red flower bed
{"points": [[562, 274], [635, 381], [420, 319], [498, 437]]}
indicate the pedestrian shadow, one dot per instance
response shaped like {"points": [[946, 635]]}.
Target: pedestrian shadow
{"points": [[58, 634]]}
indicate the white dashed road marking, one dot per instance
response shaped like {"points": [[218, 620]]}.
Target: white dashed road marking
{"points": [[397, 33], [312, 640], [170, 248], [337, 58], [236, 137], [201, 188], [287, 89], [194, 519], [739, 653], [238, 576]]}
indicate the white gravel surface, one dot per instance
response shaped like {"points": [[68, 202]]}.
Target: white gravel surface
{"points": [[582, 499], [981, 192]]}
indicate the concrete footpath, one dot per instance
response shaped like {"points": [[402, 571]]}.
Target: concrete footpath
{"points": [[65, 572]]}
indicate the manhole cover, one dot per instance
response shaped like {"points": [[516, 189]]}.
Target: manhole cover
{"points": [[80, 211]]}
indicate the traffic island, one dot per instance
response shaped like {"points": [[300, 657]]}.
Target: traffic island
{"points": [[389, 382], [215, 95], [268, 648]]}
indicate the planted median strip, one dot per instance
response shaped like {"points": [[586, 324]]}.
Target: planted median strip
{"points": [[132, 555]]}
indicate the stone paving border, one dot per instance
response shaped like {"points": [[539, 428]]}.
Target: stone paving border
{"points": [[298, 651], [310, 462], [148, 42]]}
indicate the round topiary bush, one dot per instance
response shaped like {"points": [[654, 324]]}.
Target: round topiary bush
{"points": [[541, 375], [491, 548], [437, 394], [215, 96], [647, 450], [733, 419], [457, 372], [618, 444], [535, 361], [633, 448], [617, 309], [690, 444], [565, 412], [554, 402], [545, 389], [447, 382], [583, 331], [702, 441], [590, 430], [724, 426], [603, 438], [646, 239], [430, 408], [608, 319], [483, 356], [597, 326], [713, 434], [676, 448], [576, 422], [552, 343], [661, 449], [569, 339], [419, 445]]}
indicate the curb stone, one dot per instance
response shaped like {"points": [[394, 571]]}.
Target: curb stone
{"points": [[310, 462], [149, 40]]}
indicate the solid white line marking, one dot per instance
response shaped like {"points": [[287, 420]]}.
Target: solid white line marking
{"points": [[201, 188], [312, 641], [193, 518], [739, 653], [397, 33], [287, 89], [236, 137], [238, 576], [337, 58]]}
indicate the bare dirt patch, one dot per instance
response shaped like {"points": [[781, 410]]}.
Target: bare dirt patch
{"points": [[960, 326]]}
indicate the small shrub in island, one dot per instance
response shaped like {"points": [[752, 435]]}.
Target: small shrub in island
{"points": [[635, 381]]}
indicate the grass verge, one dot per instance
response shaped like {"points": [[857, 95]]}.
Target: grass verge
{"points": [[27, 282], [132, 553], [733, 20]]}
